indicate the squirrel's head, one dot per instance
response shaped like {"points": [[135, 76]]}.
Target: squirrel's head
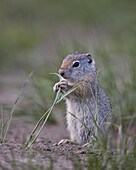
{"points": [[77, 67]]}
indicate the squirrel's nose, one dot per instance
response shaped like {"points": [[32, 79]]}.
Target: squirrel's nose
{"points": [[61, 73]]}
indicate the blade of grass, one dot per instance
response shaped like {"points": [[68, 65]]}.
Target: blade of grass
{"points": [[48, 114], [2, 119], [96, 115], [119, 138], [125, 144], [35, 128], [129, 117], [84, 125], [14, 106], [133, 146], [83, 109], [95, 120], [5, 122], [57, 75], [29, 146], [41, 119], [9, 118]]}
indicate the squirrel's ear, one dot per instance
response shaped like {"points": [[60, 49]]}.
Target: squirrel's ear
{"points": [[88, 55]]}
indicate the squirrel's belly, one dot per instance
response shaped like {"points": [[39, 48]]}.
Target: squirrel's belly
{"points": [[77, 130]]}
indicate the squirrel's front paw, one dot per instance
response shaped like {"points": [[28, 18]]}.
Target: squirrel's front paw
{"points": [[56, 87], [63, 84]]}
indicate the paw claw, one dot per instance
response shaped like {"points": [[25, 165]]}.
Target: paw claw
{"points": [[87, 145], [67, 141], [56, 88]]}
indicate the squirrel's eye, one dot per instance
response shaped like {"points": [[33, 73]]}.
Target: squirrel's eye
{"points": [[76, 64], [90, 61]]}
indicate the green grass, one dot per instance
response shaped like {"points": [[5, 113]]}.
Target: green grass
{"points": [[5, 125], [42, 121], [37, 35]]}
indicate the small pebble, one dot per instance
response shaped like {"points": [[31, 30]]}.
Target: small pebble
{"points": [[48, 149]]}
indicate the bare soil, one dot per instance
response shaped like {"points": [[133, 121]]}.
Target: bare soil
{"points": [[45, 152]]}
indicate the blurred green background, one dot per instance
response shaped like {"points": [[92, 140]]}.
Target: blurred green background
{"points": [[38, 34]]}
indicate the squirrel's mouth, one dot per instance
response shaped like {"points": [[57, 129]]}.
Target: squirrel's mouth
{"points": [[71, 81], [64, 76]]}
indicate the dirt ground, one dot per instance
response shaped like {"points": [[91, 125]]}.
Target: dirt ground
{"points": [[44, 152]]}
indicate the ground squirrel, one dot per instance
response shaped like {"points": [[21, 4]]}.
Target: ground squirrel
{"points": [[80, 68]]}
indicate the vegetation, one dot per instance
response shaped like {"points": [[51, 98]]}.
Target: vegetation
{"points": [[36, 35]]}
